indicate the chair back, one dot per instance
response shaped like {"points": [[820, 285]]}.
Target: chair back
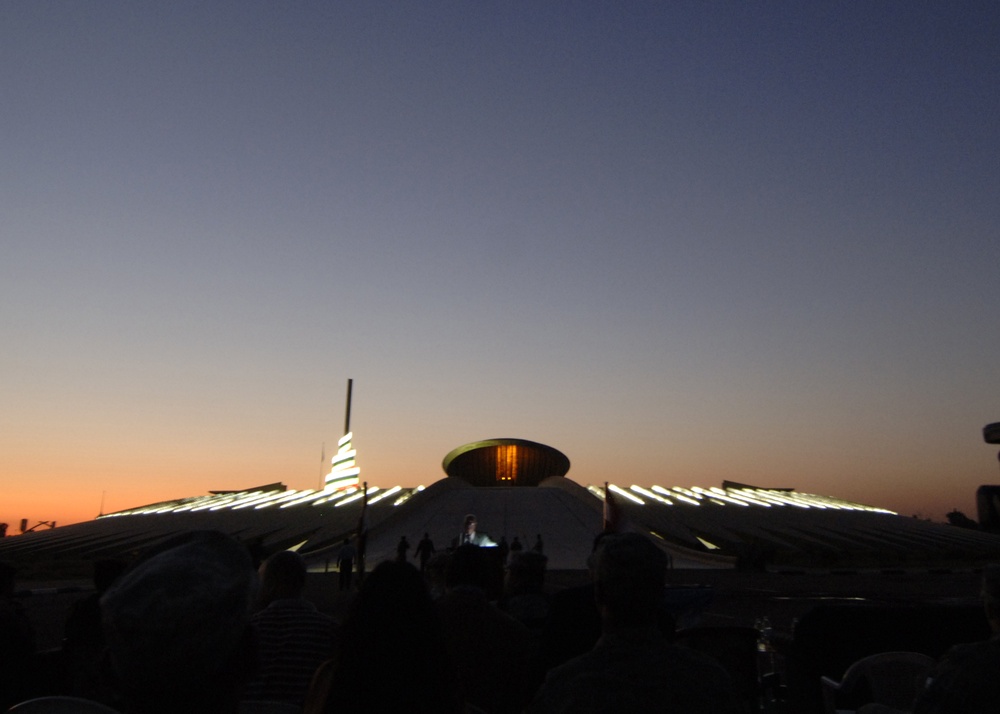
{"points": [[61, 705], [894, 679], [260, 706]]}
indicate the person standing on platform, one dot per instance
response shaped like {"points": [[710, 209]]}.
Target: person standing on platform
{"points": [[470, 536]]}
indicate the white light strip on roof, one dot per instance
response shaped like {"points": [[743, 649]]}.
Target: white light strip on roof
{"points": [[310, 496], [650, 494], [252, 497], [305, 497], [407, 495], [214, 502], [626, 494], [716, 492], [284, 497], [790, 500], [663, 491], [191, 503], [266, 496], [762, 495], [331, 496], [743, 497], [678, 493], [385, 494], [707, 544], [356, 496], [688, 492]]}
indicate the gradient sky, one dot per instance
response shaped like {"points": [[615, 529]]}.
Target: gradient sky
{"points": [[680, 242]]}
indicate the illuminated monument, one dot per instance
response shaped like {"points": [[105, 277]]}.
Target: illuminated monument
{"points": [[519, 488]]}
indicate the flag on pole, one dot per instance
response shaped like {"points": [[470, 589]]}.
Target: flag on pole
{"points": [[363, 531], [612, 513]]}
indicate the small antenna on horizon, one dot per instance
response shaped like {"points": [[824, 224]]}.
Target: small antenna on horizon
{"points": [[102, 504]]}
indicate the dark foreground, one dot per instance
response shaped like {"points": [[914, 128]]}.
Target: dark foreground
{"points": [[838, 616]]}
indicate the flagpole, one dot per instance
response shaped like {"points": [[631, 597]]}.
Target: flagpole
{"points": [[322, 465], [363, 532]]}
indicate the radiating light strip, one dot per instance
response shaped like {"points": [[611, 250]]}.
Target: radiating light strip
{"points": [[385, 494], [310, 496], [708, 544], [678, 493], [717, 492], [356, 496], [285, 497], [743, 497], [650, 494], [266, 496], [331, 496], [407, 495], [215, 501], [626, 494], [783, 498], [688, 492]]}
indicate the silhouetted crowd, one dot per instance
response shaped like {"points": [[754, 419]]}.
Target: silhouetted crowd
{"points": [[195, 628]]}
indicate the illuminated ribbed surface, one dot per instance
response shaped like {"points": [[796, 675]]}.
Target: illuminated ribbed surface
{"points": [[505, 462], [698, 526]]}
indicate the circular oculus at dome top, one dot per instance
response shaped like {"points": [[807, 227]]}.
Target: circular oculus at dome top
{"points": [[505, 462]]}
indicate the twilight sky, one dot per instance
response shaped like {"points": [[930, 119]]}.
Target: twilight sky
{"points": [[680, 242]]}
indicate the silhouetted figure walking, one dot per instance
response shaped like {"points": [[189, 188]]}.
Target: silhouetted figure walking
{"points": [[424, 551], [345, 564], [401, 549]]}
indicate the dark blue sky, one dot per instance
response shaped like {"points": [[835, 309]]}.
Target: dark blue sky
{"points": [[680, 242]]}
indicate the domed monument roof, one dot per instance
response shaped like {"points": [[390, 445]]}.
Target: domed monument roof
{"points": [[505, 462]]}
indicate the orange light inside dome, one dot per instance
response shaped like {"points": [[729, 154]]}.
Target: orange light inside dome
{"points": [[507, 463]]}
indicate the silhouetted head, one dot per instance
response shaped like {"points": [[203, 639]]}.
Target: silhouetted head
{"points": [[394, 630], [283, 575], [629, 579], [470, 523], [177, 627]]}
